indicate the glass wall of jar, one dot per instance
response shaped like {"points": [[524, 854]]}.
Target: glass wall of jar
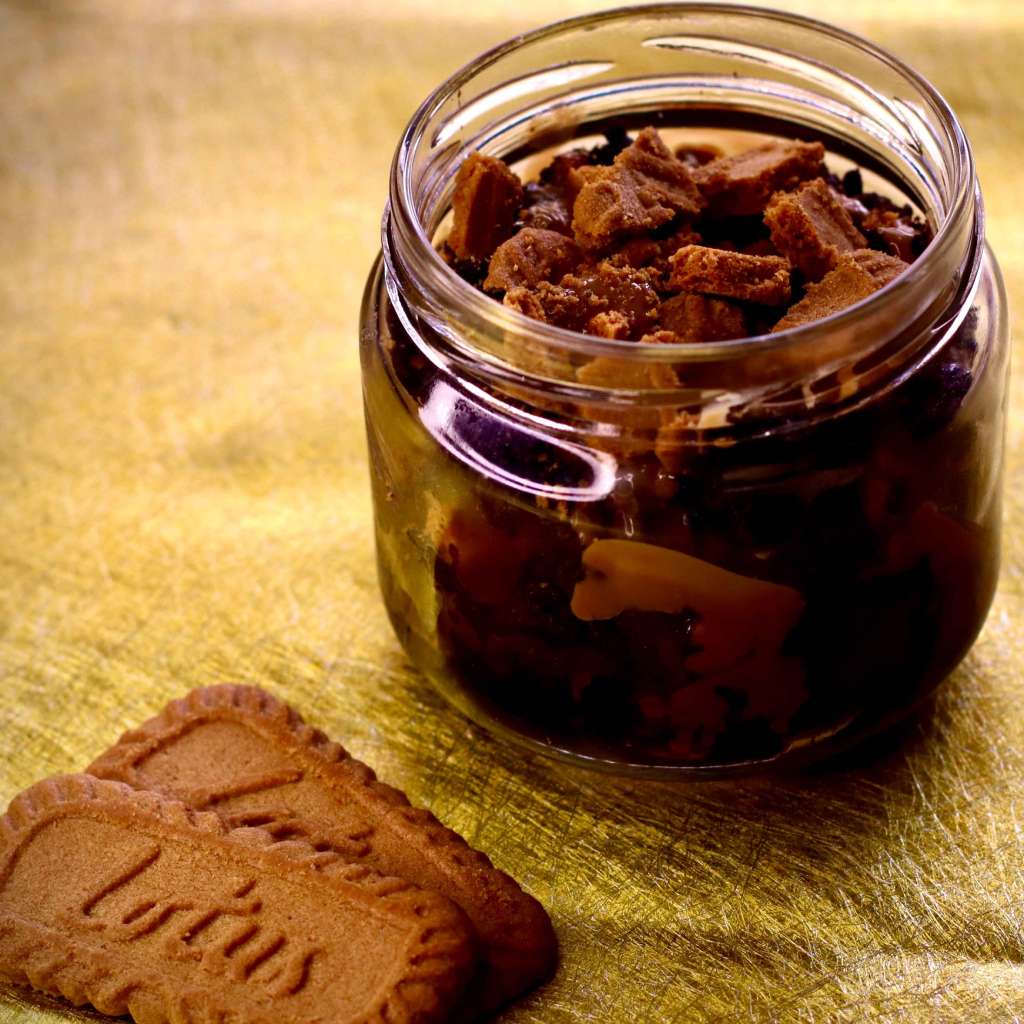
{"points": [[767, 548]]}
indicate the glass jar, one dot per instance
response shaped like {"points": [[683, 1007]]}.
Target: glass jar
{"points": [[726, 555]]}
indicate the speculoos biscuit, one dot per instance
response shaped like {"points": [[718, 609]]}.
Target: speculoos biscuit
{"points": [[240, 752], [138, 904]]}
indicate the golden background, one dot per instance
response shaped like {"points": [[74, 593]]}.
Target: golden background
{"points": [[189, 203]]}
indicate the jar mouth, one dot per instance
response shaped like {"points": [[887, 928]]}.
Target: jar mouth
{"points": [[438, 287]]}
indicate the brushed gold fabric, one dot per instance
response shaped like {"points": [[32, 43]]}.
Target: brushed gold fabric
{"points": [[189, 202]]}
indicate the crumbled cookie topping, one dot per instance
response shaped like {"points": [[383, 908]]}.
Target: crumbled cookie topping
{"points": [[629, 240]]}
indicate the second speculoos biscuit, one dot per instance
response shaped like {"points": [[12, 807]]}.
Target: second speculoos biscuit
{"points": [[251, 758]]}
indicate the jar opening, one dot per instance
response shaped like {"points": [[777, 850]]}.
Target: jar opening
{"points": [[683, 64]]}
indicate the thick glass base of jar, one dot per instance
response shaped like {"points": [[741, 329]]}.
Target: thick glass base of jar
{"points": [[885, 522]]}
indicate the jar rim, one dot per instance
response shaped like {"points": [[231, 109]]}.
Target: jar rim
{"points": [[450, 290]]}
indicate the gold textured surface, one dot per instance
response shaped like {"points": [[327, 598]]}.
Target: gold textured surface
{"points": [[189, 202]]}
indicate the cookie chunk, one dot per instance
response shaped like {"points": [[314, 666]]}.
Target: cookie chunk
{"points": [[137, 904], [741, 185], [847, 284], [697, 318], [484, 208], [240, 752], [643, 189], [613, 325], [527, 302], [735, 275], [811, 228], [881, 266], [589, 291], [530, 256]]}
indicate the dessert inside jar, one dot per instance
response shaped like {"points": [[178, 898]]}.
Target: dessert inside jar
{"points": [[692, 459]]}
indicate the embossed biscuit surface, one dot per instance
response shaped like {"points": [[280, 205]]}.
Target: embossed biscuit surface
{"points": [[137, 904], [241, 752]]}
